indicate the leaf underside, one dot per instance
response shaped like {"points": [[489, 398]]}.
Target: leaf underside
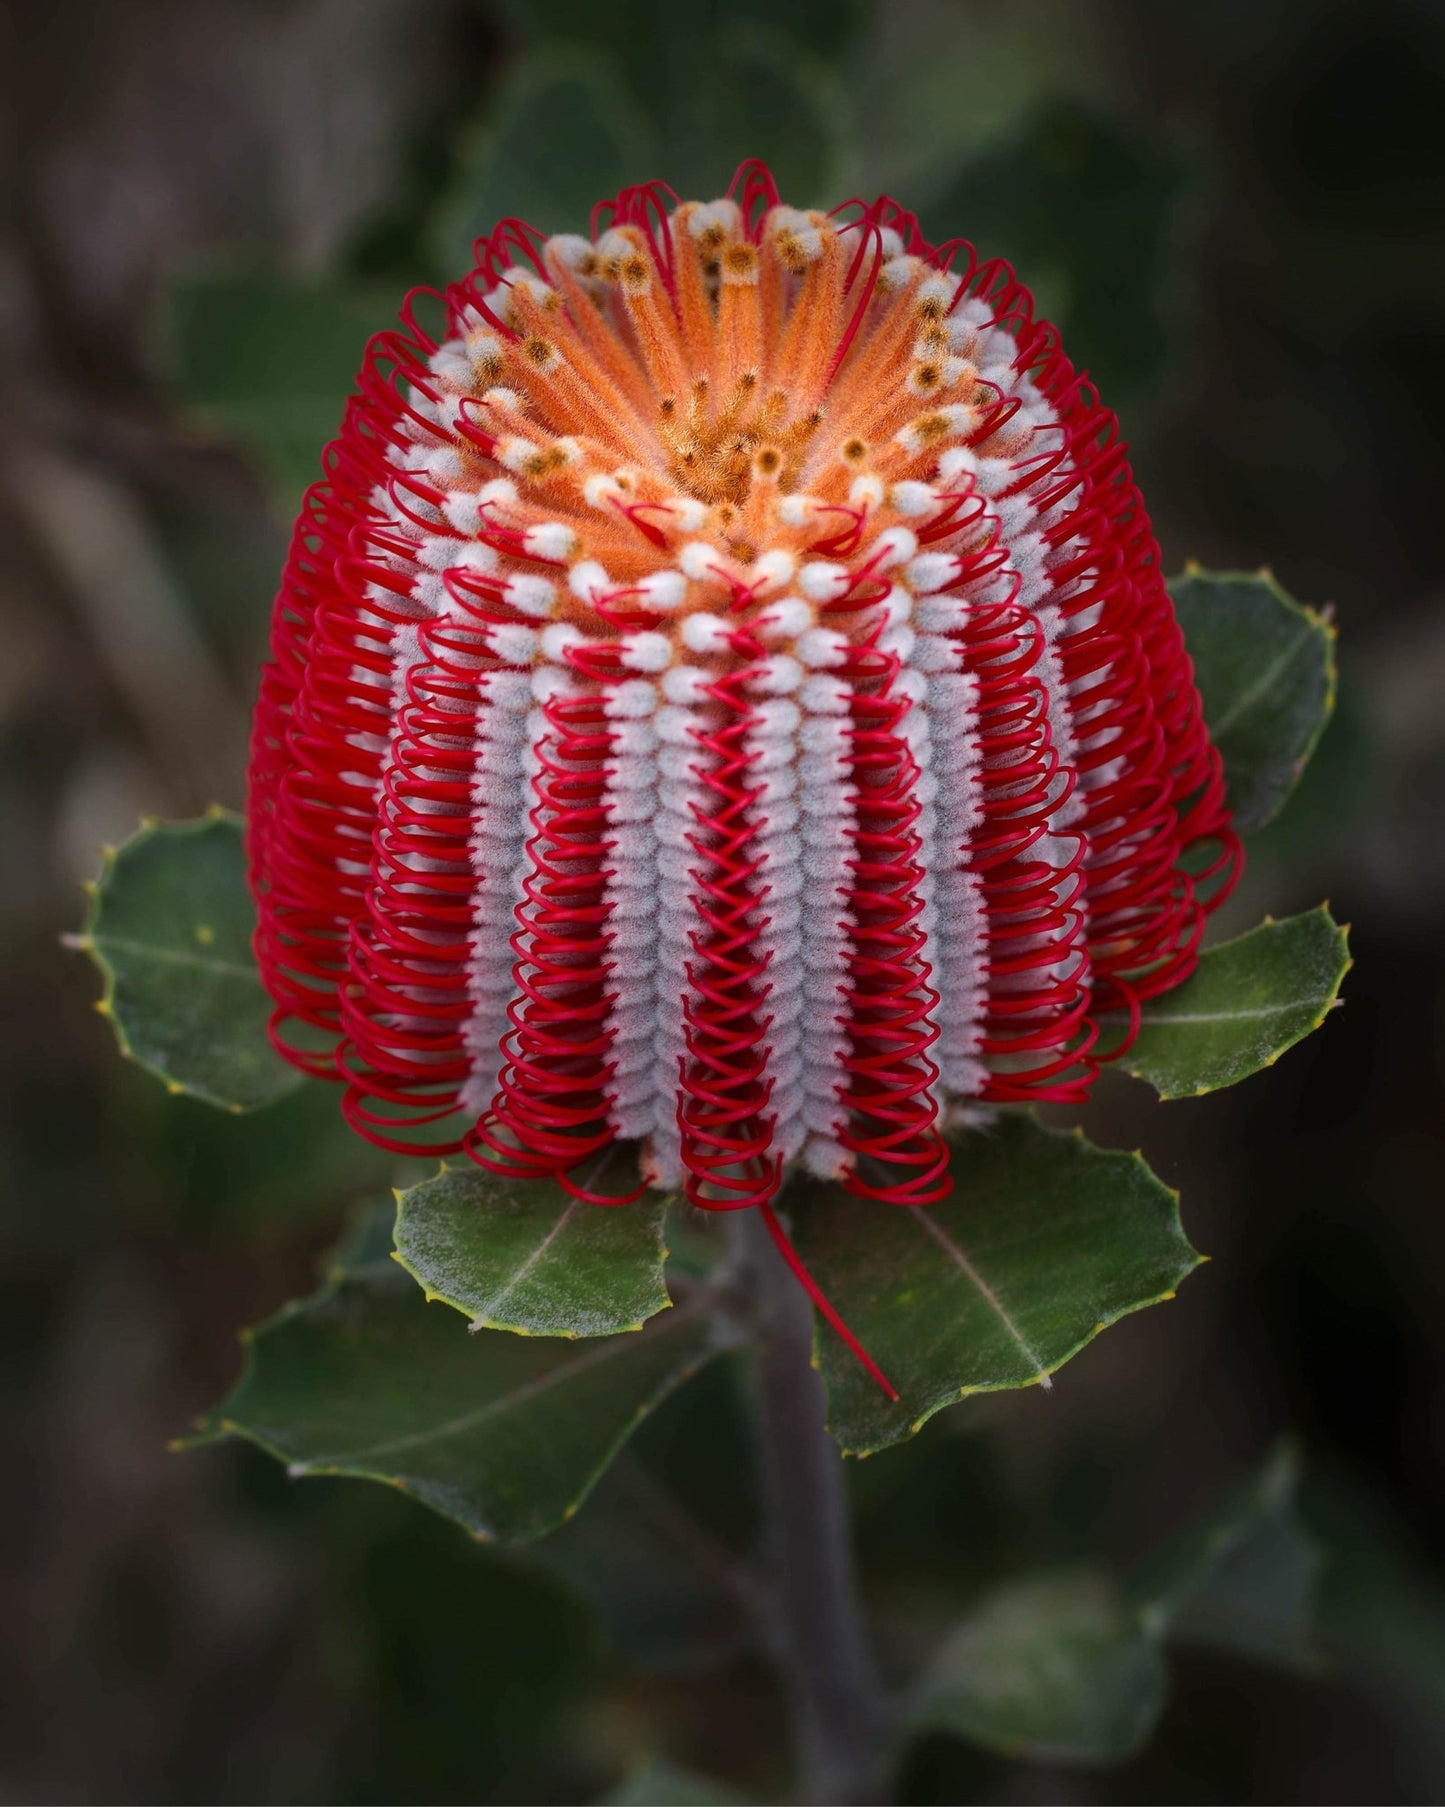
{"points": [[1044, 1242], [527, 1256], [1245, 1580], [505, 1434], [170, 928], [1248, 1001], [1069, 1667], [1052, 1668]]}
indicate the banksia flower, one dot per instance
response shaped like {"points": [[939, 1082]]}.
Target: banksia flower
{"points": [[723, 697]]}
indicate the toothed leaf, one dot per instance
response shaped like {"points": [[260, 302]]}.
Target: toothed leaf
{"points": [[526, 1255], [505, 1434], [1265, 669], [1249, 1001], [170, 928], [1044, 1241]]}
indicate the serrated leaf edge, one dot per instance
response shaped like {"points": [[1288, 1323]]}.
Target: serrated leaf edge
{"points": [[1333, 1002], [1048, 1370], [212, 1427], [152, 828], [1320, 620], [434, 1296]]}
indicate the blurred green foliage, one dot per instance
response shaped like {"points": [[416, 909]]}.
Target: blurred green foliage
{"points": [[402, 1661]]}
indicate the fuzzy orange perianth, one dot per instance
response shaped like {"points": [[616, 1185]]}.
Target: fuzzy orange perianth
{"points": [[723, 696]]}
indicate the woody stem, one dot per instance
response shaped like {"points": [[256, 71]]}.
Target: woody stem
{"points": [[839, 1730]]}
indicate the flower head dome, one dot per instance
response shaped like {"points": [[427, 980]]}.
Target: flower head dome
{"points": [[724, 696]]}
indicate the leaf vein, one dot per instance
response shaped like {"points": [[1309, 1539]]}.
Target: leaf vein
{"points": [[957, 1255], [177, 957], [532, 1389], [1249, 697], [511, 1285]]}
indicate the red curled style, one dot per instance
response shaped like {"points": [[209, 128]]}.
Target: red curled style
{"points": [[723, 697]]}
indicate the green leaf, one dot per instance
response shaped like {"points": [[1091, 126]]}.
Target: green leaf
{"points": [[1244, 1581], [763, 96], [525, 1255], [1265, 668], [1052, 1668], [1085, 213], [1248, 1001], [562, 134], [660, 1551], [170, 928], [268, 360], [1044, 1242], [505, 1434], [658, 1783]]}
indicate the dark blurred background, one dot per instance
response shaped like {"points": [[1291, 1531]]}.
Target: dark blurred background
{"points": [[1238, 214]]}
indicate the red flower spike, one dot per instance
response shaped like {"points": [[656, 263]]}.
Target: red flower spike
{"points": [[724, 696]]}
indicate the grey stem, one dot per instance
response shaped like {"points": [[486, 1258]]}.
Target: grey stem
{"points": [[839, 1725]]}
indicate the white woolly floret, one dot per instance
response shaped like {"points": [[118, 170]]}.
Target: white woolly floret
{"points": [[700, 561], [461, 509], [501, 492], [957, 461], [937, 652], [530, 594], [686, 684], [821, 647], [784, 619], [724, 213], [931, 571], [588, 581], [775, 720], [777, 676], [1014, 513], [645, 652], [442, 464], [451, 365], [895, 605], [512, 643], [570, 249], [703, 633], [635, 738], [631, 700], [897, 273], [663, 590], [822, 695], [866, 492], [676, 725], [516, 453], [599, 489], [551, 540], [912, 498], [773, 568], [439, 551], [895, 546], [823, 582], [549, 681], [559, 638]]}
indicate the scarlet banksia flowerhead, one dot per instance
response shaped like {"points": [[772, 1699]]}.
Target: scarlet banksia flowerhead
{"points": [[724, 696]]}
